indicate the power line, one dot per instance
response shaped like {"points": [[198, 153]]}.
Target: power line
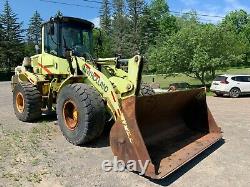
{"points": [[68, 4], [99, 2], [207, 20], [93, 1], [191, 13], [199, 18]]}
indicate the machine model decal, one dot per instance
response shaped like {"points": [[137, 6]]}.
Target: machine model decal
{"points": [[95, 77]]}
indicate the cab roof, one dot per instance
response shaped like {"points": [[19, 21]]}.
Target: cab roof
{"points": [[73, 20]]}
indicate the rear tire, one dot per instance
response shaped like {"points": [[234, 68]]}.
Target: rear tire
{"points": [[80, 113], [146, 90], [27, 102], [234, 93]]}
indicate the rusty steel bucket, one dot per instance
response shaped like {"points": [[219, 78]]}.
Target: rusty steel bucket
{"points": [[167, 129]]}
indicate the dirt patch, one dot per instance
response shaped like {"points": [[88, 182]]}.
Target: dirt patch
{"points": [[24, 155]]}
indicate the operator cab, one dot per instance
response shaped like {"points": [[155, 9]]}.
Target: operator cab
{"points": [[62, 34]]}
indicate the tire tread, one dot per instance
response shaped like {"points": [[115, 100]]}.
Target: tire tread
{"points": [[33, 102], [94, 122]]}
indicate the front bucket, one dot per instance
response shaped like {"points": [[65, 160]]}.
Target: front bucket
{"points": [[167, 129]]}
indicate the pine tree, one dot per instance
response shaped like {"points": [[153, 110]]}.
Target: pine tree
{"points": [[11, 27], [1, 34], [12, 37], [120, 27], [34, 30], [105, 16], [105, 22], [1, 46], [135, 9]]}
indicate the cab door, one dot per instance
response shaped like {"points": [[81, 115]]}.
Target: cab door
{"points": [[52, 61]]}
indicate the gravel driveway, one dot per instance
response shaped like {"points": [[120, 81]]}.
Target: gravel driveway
{"points": [[38, 155]]}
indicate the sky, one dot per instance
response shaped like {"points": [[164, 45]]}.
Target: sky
{"points": [[90, 10]]}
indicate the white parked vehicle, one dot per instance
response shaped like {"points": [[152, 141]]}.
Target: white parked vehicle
{"points": [[232, 85]]}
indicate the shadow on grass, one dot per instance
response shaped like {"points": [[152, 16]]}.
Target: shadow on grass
{"points": [[188, 166]]}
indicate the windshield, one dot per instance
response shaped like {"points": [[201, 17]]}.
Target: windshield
{"points": [[77, 38]]}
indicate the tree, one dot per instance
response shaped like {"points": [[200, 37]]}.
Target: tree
{"points": [[135, 10], [187, 19], [34, 34], [236, 21], [105, 16], [120, 27], [198, 50], [239, 22], [156, 23], [166, 23], [35, 29], [1, 46], [102, 44], [12, 37], [246, 35], [105, 50]]}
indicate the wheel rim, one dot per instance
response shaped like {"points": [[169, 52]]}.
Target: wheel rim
{"points": [[20, 102], [70, 115], [235, 93]]}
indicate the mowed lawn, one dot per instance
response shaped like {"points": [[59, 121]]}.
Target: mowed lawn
{"points": [[166, 81]]}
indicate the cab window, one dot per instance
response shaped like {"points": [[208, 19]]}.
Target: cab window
{"points": [[77, 38], [51, 40]]}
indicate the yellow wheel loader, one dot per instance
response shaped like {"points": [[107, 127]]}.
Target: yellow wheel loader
{"points": [[167, 129]]}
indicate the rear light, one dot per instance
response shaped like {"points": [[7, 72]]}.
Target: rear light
{"points": [[224, 81]]}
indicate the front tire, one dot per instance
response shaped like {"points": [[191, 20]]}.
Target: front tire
{"points": [[234, 93], [80, 113], [27, 102]]}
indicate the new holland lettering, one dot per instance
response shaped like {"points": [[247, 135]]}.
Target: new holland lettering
{"points": [[95, 77]]}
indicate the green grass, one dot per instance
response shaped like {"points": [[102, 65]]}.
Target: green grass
{"points": [[210, 93], [23, 154], [236, 71], [166, 81]]}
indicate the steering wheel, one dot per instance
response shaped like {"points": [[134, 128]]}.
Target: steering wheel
{"points": [[53, 52], [79, 48]]}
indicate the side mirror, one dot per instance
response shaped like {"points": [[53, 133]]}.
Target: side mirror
{"points": [[37, 48], [51, 29]]}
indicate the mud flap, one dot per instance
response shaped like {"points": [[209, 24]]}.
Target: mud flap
{"points": [[167, 129]]}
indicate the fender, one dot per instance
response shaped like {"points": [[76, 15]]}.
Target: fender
{"points": [[71, 79]]}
